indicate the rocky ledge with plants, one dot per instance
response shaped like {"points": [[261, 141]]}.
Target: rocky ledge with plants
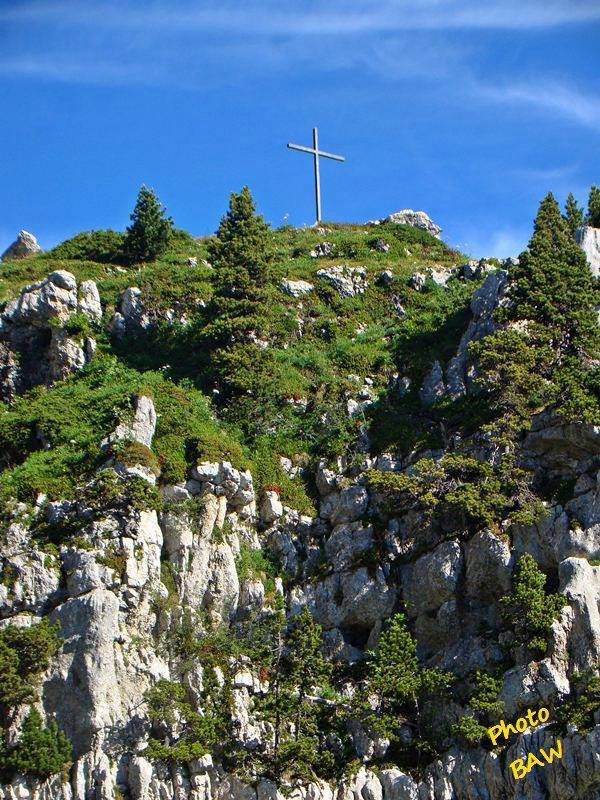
{"points": [[299, 512]]}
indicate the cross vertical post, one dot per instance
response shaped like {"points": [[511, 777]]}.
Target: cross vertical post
{"points": [[316, 153], [317, 173]]}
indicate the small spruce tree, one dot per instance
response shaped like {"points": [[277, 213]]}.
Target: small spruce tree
{"points": [[573, 215], [239, 314], [148, 235], [593, 217], [528, 610], [41, 751], [397, 686], [552, 285]]}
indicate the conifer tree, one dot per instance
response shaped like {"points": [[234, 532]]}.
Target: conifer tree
{"points": [[397, 681], [593, 218], [298, 670], [241, 254], [41, 751], [573, 215], [528, 609], [148, 235], [552, 286]]}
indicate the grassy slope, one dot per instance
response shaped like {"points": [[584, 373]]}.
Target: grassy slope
{"points": [[341, 337]]}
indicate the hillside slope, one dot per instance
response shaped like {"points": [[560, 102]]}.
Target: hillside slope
{"points": [[299, 511]]}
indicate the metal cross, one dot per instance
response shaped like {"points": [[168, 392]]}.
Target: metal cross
{"points": [[316, 153]]}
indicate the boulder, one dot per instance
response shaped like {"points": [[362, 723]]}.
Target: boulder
{"points": [[322, 250], [347, 542], [432, 579], [89, 301], [24, 246], [347, 281], [416, 219], [270, 508], [296, 288]]}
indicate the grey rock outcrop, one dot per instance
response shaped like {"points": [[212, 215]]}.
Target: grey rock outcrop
{"points": [[25, 245], [296, 288], [589, 240], [35, 346], [347, 281], [416, 219]]}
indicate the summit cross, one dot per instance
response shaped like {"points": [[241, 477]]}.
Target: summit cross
{"points": [[314, 151]]}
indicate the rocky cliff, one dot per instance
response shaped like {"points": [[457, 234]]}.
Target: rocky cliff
{"points": [[167, 560]]}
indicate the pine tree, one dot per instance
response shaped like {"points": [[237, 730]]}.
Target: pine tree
{"points": [[528, 609], [41, 751], [241, 254], [297, 670], [573, 215], [397, 681], [593, 218], [552, 286], [148, 235]]}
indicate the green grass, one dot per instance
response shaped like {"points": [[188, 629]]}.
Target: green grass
{"points": [[50, 438]]}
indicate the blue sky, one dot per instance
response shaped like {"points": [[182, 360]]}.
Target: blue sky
{"points": [[469, 109]]}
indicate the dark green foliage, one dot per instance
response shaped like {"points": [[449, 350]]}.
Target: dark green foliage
{"points": [[133, 453], [147, 237], [241, 254], [197, 733], [484, 705], [457, 492], [398, 693], [78, 326], [25, 653], [547, 356], [583, 702], [552, 286], [296, 670], [528, 609], [104, 247], [40, 751], [468, 730], [98, 398], [573, 215], [593, 217]]}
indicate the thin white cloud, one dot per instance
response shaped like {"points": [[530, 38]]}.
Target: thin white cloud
{"points": [[80, 70], [504, 243], [554, 97], [265, 17]]}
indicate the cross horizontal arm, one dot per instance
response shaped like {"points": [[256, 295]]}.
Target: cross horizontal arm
{"points": [[313, 152]]}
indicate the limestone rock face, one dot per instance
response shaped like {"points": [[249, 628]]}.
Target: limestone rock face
{"points": [[484, 302], [433, 385], [589, 240], [131, 584], [24, 246], [35, 346]]}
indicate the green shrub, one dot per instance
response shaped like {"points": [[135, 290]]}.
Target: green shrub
{"points": [[583, 702], [468, 729], [136, 453], [40, 751], [593, 217], [25, 653], [528, 609], [78, 325], [105, 247]]}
